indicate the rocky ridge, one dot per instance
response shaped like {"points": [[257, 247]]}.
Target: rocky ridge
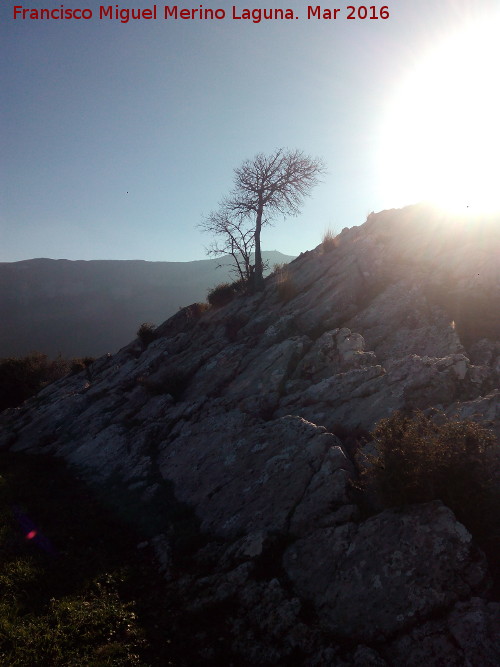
{"points": [[231, 416]]}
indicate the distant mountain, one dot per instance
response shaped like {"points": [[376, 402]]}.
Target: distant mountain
{"points": [[79, 308]]}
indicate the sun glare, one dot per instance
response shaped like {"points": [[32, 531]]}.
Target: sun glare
{"points": [[441, 137]]}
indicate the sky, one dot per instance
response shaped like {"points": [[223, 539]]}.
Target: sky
{"points": [[118, 138]]}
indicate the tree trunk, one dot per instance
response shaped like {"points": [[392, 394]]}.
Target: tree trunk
{"points": [[258, 278]]}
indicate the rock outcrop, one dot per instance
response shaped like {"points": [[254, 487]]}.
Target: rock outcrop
{"points": [[232, 416]]}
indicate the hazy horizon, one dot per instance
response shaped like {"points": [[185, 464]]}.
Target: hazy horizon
{"points": [[136, 259]]}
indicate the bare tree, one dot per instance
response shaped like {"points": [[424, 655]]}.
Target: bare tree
{"points": [[267, 186], [234, 236]]}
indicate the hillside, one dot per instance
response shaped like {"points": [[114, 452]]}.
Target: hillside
{"points": [[236, 439], [89, 308]]}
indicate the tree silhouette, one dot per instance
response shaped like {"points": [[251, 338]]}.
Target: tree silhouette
{"points": [[235, 237], [264, 187]]}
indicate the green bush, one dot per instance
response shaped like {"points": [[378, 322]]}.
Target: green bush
{"points": [[419, 459]]}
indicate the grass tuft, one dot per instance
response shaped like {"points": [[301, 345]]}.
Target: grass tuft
{"points": [[329, 241]]}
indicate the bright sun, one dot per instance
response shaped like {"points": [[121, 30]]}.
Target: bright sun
{"points": [[441, 138]]}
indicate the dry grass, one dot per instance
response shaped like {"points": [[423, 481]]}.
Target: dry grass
{"points": [[329, 241]]}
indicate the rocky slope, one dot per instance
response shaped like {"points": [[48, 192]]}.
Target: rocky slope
{"points": [[217, 439]]}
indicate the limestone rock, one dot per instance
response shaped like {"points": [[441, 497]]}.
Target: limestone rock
{"points": [[254, 476], [370, 581]]}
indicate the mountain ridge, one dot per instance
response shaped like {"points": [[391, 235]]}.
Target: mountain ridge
{"points": [[89, 307]]}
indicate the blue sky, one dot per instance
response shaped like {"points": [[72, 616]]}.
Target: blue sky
{"points": [[117, 138]]}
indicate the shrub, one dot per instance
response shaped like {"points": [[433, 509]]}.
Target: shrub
{"points": [[79, 364], [21, 378], [419, 459], [222, 294], [193, 312], [146, 333], [329, 242]]}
